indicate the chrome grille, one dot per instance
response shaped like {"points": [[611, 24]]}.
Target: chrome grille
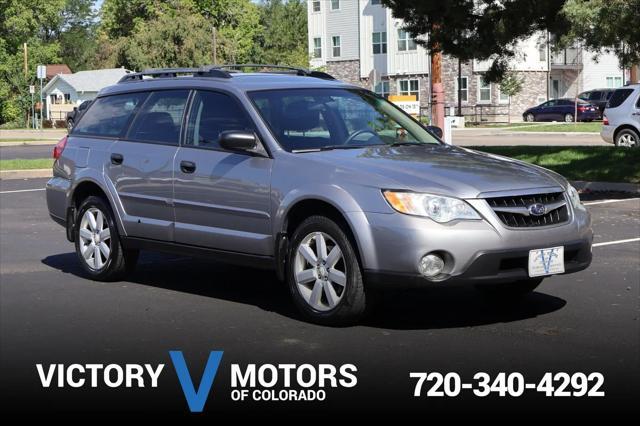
{"points": [[516, 212]]}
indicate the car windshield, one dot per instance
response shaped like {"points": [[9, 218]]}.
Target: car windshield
{"points": [[317, 119]]}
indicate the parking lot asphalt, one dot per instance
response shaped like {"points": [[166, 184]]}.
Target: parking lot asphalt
{"points": [[585, 322]]}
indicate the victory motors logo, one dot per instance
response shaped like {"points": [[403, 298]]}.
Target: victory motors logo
{"points": [[265, 382]]}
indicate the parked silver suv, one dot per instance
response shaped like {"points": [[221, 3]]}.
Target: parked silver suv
{"points": [[621, 118], [334, 188]]}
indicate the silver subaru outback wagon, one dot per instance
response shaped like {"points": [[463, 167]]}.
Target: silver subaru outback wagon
{"points": [[334, 188]]}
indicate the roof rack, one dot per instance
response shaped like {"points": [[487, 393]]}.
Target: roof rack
{"points": [[219, 71], [207, 71]]}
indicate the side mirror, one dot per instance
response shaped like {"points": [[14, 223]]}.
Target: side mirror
{"points": [[75, 109], [435, 130], [238, 140]]}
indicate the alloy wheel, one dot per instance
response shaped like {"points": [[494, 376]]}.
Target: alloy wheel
{"points": [[320, 271], [568, 118], [95, 239], [627, 140]]}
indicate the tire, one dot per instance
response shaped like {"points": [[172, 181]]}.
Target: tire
{"points": [[332, 303], [70, 125], [627, 138], [568, 118], [530, 118], [510, 290], [101, 264]]}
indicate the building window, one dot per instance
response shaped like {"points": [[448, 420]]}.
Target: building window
{"points": [[542, 53], [379, 42], [382, 89], [317, 47], [503, 98], [375, 2], [409, 88], [484, 90], [315, 5], [335, 4], [463, 83], [405, 41], [613, 82], [335, 44], [67, 98]]}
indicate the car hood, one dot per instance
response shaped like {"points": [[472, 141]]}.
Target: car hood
{"points": [[440, 169]]}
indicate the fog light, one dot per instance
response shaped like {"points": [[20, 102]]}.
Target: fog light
{"points": [[431, 265]]}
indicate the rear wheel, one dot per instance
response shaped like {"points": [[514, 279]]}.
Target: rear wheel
{"points": [[70, 124], [324, 273], [98, 244], [510, 290], [568, 118], [531, 118], [627, 138]]}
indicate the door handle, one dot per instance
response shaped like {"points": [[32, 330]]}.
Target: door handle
{"points": [[116, 159], [187, 166]]}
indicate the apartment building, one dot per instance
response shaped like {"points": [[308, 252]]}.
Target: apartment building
{"points": [[360, 42]]}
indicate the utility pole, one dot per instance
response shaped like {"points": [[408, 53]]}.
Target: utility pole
{"points": [[437, 91], [214, 45], [459, 88], [26, 62]]}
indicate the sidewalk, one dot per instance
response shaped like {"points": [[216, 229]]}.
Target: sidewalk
{"points": [[30, 135]]}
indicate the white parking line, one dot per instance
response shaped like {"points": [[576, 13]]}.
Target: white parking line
{"points": [[593, 203], [22, 190], [608, 243]]}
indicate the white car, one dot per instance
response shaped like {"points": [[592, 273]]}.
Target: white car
{"points": [[621, 120]]}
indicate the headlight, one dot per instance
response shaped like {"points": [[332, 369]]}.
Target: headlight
{"points": [[439, 208], [574, 197]]}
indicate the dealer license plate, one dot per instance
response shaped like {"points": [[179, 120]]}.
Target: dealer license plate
{"points": [[546, 261]]}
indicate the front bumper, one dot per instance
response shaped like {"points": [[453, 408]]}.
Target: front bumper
{"points": [[474, 251]]}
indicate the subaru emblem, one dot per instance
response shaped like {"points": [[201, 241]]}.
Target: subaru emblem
{"points": [[537, 209]]}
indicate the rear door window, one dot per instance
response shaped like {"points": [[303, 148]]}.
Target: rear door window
{"points": [[595, 96], [108, 116], [160, 118], [618, 98], [212, 113]]}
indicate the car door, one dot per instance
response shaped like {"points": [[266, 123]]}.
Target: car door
{"points": [[221, 198], [545, 110], [141, 165]]}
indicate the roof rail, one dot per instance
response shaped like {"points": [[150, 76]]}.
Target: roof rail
{"points": [[296, 70], [206, 71], [218, 71]]}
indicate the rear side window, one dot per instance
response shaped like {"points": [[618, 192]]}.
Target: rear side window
{"points": [[160, 118], [595, 96], [211, 114], [619, 96], [638, 102], [108, 116]]}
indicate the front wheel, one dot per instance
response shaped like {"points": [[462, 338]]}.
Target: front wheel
{"points": [[324, 273], [97, 242], [510, 290], [70, 125], [531, 118]]}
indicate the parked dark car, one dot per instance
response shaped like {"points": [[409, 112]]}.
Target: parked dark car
{"points": [[74, 116], [597, 97], [562, 110]]}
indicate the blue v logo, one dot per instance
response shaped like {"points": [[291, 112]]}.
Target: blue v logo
{"points": [[196, 398]]}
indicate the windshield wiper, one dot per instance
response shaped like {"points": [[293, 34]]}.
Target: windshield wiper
{"points": [[329, 148], [401, 143]]}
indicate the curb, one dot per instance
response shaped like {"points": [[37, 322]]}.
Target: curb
{"points": [[586, 186], [29, 143], [25, 174]]}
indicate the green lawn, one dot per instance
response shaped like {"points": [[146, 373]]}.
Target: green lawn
{"points": [[22, 164], [498, 125], [591, 163], [594, 126]]}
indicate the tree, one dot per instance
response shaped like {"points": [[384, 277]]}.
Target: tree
{"points": [[468, 29], [77, 37], [511, 85], [610, 25], [284, 38]]}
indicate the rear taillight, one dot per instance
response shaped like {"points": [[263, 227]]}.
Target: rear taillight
{"points": [[605, 121], [582, 108], [57, 150]]}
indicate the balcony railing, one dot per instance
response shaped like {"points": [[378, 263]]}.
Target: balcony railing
{"points": [[570, 58]]}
